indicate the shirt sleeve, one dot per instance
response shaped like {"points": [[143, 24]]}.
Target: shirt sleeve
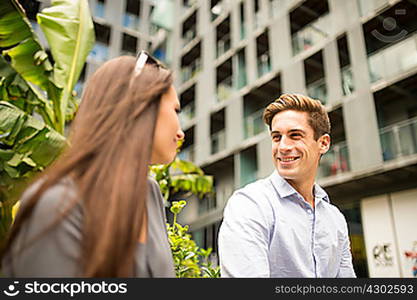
{"points": [[346, 265], [244, 239]]}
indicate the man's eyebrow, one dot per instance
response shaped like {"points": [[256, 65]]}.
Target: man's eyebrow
{"points": [[289, 131]]}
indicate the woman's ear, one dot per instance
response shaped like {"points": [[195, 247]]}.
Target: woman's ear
{"points": [[324, 143]]}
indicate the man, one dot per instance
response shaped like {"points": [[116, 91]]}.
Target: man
{"points": [[284, 225]]}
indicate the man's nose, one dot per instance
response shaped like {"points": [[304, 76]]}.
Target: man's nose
{"points": [[285, 144]]}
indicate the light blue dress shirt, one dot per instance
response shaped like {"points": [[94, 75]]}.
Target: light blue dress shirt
{"points": [[269, 230]]}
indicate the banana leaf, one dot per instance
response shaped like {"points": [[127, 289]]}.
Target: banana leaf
{"points": [[17, 91], [27, 143], [69, 29], [27, 55]]}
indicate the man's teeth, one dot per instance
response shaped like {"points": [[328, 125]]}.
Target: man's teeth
{"points": [[289, 159]]}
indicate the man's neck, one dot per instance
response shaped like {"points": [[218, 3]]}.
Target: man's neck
{"points": [[304, 188]]}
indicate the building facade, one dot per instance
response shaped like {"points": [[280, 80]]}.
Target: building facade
{"points": [[359, 57]]}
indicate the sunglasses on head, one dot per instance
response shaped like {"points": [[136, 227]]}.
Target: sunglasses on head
{"points": [[144, 58]]}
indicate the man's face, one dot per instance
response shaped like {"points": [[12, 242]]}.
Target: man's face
{"points": [[295, 152]]}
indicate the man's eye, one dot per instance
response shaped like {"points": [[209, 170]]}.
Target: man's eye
{"points": [[178, 110], [276, 137], [296, 135]]}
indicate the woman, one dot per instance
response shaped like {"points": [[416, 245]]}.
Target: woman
{"points": [[96, 213]]}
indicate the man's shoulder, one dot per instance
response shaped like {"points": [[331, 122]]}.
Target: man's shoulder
{"points": [[256, 188]]}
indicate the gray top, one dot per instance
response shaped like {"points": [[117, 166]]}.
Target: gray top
{"points": [[56, 252]]}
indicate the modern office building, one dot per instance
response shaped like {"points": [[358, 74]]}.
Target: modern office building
{"points": [[121, 27], [359, 57]]}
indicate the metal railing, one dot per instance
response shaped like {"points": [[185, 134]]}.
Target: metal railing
{"points": [[335, 161], [218, 141], [187, 113], [347, 80], [264, 64], [189, 35], [99, 10], [254, 124], [223, 44], [318, 90], [399, 139], [187, 153], [225, 89], [191, 70], [393, 60], [131, 21], [100, 52], [311, 34]]}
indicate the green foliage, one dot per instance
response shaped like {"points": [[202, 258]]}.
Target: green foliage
{"points": [[190, 261], [181, 176], [36, 96]]}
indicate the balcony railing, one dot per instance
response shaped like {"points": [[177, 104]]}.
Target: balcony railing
{"points": [[347, 81], [218, 141], [187, 153], [368, 6], [259, 21], [223, 44], [189, 35], [394, 60], [318, 90], [254, 124], [335, 161], [264, 64], [131, 21], [311, 34], [276, 6], [242, 31], [100, 52], [191, 70], [187, 113], [99, 10], [399, 139], [225, 89]]}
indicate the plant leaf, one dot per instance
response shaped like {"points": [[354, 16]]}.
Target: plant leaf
{"points": [[69, 29]]}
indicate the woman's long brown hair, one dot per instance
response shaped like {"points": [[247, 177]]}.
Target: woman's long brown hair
{"points": [[110, 150]]}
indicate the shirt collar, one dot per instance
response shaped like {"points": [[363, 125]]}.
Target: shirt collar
{"points": [[284, 189]]}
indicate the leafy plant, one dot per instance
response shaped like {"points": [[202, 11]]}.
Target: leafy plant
{"points": [[36, 90], [186, 178], [190, 261]]}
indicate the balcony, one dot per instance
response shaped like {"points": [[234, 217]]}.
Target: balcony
{"points": [[264, 65], [259, 21], [276, 7], [254, 124], [311, 34], [187, 113], [100, 52], [347, 81], [189, 35], [223, 44], [335, 161], [367, 7], [318, 90], [225, 89], [131, 21], [191, 70], [99, 10], [187, 153], [242, 31], [399, 140], [394, 60], [218, 141]]}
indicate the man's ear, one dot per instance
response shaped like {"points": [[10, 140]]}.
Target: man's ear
{"points": [[324, 143]]}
